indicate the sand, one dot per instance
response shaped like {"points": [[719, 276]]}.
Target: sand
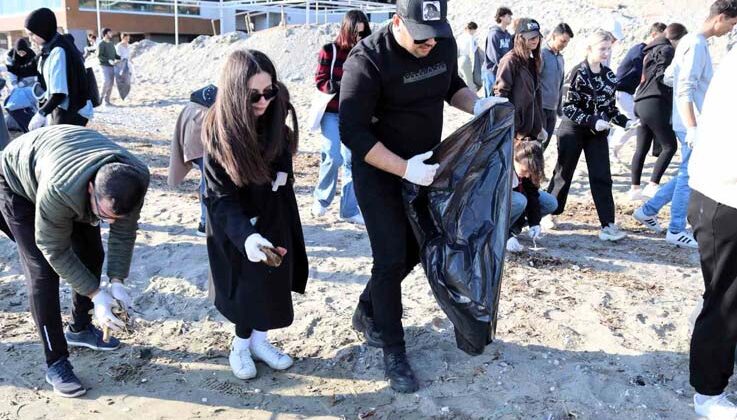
{"points": [[586, 330]]}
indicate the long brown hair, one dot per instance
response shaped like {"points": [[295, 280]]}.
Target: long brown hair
{"points": [[520, 52], [530, 154], [232, 135], [348, 36]]}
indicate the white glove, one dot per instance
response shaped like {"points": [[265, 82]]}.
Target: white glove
{"points": [[253, 243], [37, 121], [281, 180], [104, 304], [632, 124], [120, 292], [542, 135], [484, 104], [535, 232], [418, 172], [602, 125], [692, 136]]}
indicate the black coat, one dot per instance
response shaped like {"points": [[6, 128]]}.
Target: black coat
{"points": [[248, 294], [658, 56]]}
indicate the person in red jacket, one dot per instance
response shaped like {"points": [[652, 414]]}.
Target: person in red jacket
{"points": [[333, 155]]}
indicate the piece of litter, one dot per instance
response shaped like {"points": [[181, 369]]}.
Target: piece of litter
{"points": [[445, 409], [204, 400]]}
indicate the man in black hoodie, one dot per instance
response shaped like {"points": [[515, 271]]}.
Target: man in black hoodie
{"points": [[63, 75], [498, 43], [21, 63]]}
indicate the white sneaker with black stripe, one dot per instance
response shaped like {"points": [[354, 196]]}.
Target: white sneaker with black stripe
{"points": [[681, 239], [650, 222]]}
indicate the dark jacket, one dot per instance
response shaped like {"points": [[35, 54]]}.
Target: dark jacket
{"points": [[25, 66], [498, 44], [324, 80], [518, 80], [658, 56], [106, 53], [532, 193], [76, 72], [253, 294], [629, 71], [583, 104]]}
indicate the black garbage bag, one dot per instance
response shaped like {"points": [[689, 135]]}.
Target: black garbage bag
{"points": [[461, 223]]}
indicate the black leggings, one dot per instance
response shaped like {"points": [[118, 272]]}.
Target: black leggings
{"points": [[655, 116]]}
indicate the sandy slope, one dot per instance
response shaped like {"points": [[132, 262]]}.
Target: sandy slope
{"points": [[586, 329]]}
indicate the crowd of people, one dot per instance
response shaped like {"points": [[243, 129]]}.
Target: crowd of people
{"points": [[384, 115]]}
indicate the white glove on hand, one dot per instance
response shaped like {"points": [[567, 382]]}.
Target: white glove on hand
{"points": [[253, 244], [543, 135], [104, 304], [280, 181], [37, 121], [692, 136], [484, 104], [120, 292], [535, 232], [602, 125], [418, 172]]}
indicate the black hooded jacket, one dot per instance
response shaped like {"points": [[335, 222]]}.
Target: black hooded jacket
{"points": [[75, 70], [22, 66], [658, 56]]}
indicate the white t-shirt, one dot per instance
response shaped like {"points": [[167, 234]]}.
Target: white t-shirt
{"points": [[55, 74], [467, 45], [712, 168], [123, 51]]}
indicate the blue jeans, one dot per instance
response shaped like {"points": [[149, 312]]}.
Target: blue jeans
{"points": [[489, 79], [200, 162], [333, 156], [548, 204], [676, 192]]}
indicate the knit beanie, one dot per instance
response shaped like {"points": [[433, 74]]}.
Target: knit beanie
{"points": [[42, 22]]}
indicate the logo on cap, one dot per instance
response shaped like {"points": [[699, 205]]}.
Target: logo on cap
{"points": [[532, 26], [431, 10]]}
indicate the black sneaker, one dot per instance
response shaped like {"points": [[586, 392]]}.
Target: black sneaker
{"points": [[90, 337], [365, 325], [399, 372], [201, 230], [61, 376]]}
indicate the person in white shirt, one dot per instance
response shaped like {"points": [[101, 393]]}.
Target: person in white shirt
{"points": [[467, 46], [713, 214], [123, 68]]}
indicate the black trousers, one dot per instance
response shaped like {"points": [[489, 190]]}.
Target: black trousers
{"points": [[62, 116], [655, 118], [394, 248], [551, 117], [715, 332], [41, 280], [572, 140]]}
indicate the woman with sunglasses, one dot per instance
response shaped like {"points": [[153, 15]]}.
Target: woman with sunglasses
{"points": [[518, 79], [252, 215], [333, 154], [590, 110]]}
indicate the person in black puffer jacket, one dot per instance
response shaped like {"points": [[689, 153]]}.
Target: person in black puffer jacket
{"points": [[21, 63], [654, 105], [589, 109]]}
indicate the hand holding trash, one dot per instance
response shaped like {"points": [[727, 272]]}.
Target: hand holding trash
{"points": [[484, 104], [279, 181], [104, 304], [259, 249], [542, 135], [120, 293], [692, 136], [37, 121], [535, 232], [418, 172], [602, 125]]}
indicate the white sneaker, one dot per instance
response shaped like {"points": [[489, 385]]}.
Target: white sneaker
{"points": [[513, 245], [548, 223], [681, 239], [318, 210], [611, 233], [650, 190], [357, 219], [650, 222], [241, 363], [263, 350], [635, 194], [714, 408]]}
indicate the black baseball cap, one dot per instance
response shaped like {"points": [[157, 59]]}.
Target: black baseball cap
{"points": [[425, 18], [527, 26]]}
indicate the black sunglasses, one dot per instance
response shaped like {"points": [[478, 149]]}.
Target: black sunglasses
{"points": [[421, 41], [267, 94]]}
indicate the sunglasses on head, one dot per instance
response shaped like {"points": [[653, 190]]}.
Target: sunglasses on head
{"points": [[267, 94]]}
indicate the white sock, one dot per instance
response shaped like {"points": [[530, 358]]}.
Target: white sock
{"points": [[241, 343], [258, 336], [701, 399]]}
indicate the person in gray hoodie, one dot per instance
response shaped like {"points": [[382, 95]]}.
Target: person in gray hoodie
{"points": [[498, 43], [552, 77]]}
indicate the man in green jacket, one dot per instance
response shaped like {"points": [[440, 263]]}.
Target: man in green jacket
{"points": [[108, 57], [57, 183]]}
